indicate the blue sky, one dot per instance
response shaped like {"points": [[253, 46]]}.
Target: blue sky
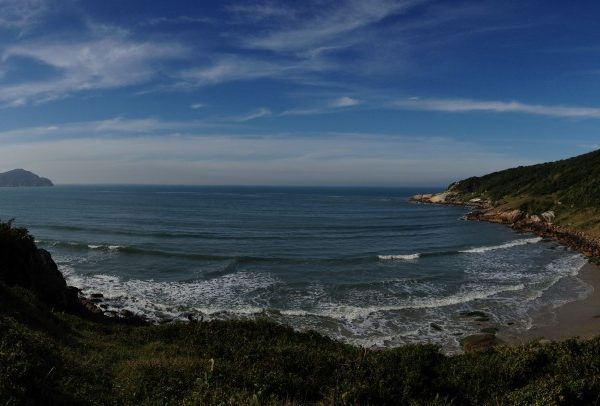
{"points": [[381, 92]]}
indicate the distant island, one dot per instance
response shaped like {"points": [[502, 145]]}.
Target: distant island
{"points": [[21, 177]]}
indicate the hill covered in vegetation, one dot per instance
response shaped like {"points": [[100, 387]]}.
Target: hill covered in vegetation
{"points": [[564, 193], [52, 352], [562, 185], [21, 177]]}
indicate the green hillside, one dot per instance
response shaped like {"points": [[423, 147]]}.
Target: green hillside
{"points": [[569, 187]]}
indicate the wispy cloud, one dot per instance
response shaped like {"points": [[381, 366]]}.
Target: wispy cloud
{"points": [[466, 105], [331, 22], [88, 65], [261, 12], [345, 101], [178, 20], [261, 112], [231, 68], [333, 106], [112, 127], [19, 14], [197, 106], [591, 147]]}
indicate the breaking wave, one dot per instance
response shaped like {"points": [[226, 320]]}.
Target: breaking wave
{"points": [[510, 244]]}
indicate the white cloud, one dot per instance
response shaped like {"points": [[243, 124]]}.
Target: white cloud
{"points": [[259, 12], [334, 106], [329, 23], [231, 68], [117, 126], [19, 14], [96, 64], [305, 111], [261, 112], [178, 20], [345, 102], [197, 106], [465, 105]]}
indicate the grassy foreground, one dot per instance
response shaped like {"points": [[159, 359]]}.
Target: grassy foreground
{"points": [[55, 358]]}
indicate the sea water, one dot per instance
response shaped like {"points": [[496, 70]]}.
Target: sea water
{"points": [[362, 265]]}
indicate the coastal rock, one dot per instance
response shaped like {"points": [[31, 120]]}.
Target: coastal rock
{"points": [[422, 198], [587, 245], [512, 216], [90, 306], [24, 265], [439, 198], [451, 197], [436, 327], [548, 216], [497, 216], [436, 198]]}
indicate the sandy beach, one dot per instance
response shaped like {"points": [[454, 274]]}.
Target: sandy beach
{"points": [[580, 318]]}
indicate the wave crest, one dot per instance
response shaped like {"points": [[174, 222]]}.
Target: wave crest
{"points": [[404, 257], [510, 244]]}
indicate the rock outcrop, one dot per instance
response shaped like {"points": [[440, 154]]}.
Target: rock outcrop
{"points": [[25, 265], [449, 197], [542, 226], [497, 216]]}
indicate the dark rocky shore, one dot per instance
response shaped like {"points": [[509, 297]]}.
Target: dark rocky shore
{"points": [[25, 265]]}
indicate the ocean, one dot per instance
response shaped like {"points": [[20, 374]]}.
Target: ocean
{"points": [[361, 265]]}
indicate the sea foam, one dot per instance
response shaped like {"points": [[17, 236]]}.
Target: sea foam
{"points": [[404, 257], [510, 244]]}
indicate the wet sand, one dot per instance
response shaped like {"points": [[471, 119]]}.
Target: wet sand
{"points": [[580, 318]]}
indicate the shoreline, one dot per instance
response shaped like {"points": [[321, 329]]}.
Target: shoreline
{"points": [[579, 318]]}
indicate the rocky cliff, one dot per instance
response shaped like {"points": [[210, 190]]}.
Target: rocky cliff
{"points": [[25, 265]]}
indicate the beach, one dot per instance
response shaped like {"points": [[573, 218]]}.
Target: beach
{"points": [[576, 319]]}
